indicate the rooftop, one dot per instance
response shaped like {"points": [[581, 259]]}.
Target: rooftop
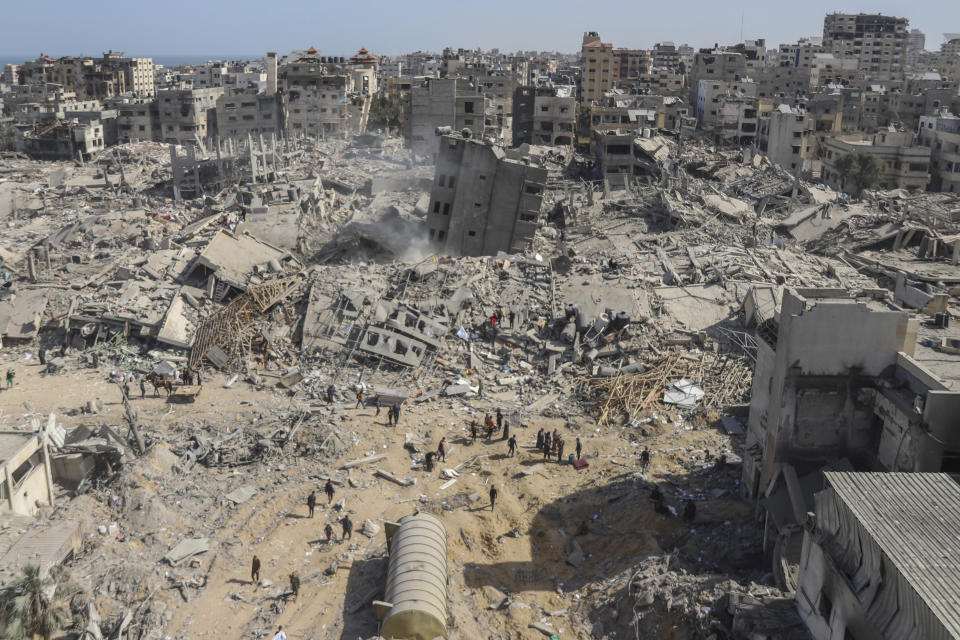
{"points": [[915, 520]]}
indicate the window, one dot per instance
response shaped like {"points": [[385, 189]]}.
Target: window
{"points": [[436, 207], [468, 107], [441, 180], [544, 109], [432, 232], [468, 121], [446, 208], [471, 233], [450, 183], [441, 235], [483, 177]]}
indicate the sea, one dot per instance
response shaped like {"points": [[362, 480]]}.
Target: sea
{"points": [[167, 61]]}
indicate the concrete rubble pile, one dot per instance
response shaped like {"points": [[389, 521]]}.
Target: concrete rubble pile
{"points": [[634, 317]]}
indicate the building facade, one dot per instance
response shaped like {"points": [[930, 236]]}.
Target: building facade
{"points": [[877, 42]]}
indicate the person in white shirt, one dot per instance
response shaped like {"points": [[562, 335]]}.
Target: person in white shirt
{"points": [[281, 634]]}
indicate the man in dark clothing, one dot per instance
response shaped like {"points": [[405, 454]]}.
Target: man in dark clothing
{"points": [[199, 377], [546, 449], [540, 439], [546, 442], [512, 318], [493, 495], [473, 431], [255, 570], [428, 461], [560, 444], [512, 445], [42, 354], [143, 388], [328, 489], [644, 459], [328, 531], [295, 584], [312, 502], [441, 449], [579, 448], [347, 525], [506, 430], [690, 510], [396, 413], [359, 399], [499, 419], [330, 391]]}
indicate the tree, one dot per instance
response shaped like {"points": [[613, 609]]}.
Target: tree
{"points": [[383, 113], [584, 123], [26, 608], [862, 168]]}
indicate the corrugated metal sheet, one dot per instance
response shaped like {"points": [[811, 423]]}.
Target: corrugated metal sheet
{"points": [[915, 520]]}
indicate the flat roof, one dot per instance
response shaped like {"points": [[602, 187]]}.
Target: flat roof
{"points": [[915, 520], [11, 442]]}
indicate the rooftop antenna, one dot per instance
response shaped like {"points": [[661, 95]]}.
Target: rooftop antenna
{"points": [[741, 26]]}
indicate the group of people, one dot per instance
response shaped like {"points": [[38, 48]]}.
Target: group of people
{"points": [[393, 414], [552, 444]]}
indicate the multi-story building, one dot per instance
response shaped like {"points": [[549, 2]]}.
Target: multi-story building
{"points": [[729, 111], [877, 42], [544, 115], [247, 112], [903, 164], [786, 135], [660, 81], [941, 134], [483, 201], [63, 140], [442, 102], [717, 65], [665, 56], [10, 75], [799, 54], [188, 115], [632, 63], [137, 119], [599, 69]]}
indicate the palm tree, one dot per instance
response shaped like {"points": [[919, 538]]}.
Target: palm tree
{"points": [[26, 608]]}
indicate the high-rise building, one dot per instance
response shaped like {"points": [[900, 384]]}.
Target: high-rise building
{"points": [[877, 42], [598, 67]]}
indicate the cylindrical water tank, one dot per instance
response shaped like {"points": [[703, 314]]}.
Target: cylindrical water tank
{"points": [[569, 332], [601, 322], [570, 310], [417, 580]]}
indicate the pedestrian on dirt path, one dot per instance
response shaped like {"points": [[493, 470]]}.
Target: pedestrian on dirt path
{"points": [[512, 445], [347, 525], [143, 388], [579, 448], [359, 399], [330, 391], [295, 584], [499, 418], [506, 430], [10, 376], [396, 414], [280, 635], [312, 502], [429, 461], [328, 531], [540, 439], [644, 460], [42, 355], [255, 570], [442, 449], [493, 496], [560, 444], [473, 431], [328, 489]]}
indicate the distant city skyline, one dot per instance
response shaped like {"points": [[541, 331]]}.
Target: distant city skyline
{"points": [[177, 28]]}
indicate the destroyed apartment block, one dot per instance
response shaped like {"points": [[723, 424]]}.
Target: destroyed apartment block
{"points": [[843, 382], [26, 480]]}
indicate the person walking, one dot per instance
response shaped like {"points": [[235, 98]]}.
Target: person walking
{"points": [[493, 496], [506, 430], [579, 448], [10, 376], [347, 525], [396, 414], [442, 450], [143, 388], [644, 460], [359, 399], [295, 584], [512, 445], [560, 444], [255, 570], [312, 502], [330, 391], [328, 489], [428, 461], [42, 355], [280, 635], [473, 431], [540, 439], [499, 419], [328, 531]]}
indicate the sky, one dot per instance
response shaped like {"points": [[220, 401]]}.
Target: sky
{"points": [[390, 27]]}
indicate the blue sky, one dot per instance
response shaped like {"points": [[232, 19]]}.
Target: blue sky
{"points": [[202, 27]]}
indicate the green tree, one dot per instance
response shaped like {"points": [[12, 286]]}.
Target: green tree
{"points": [[861, 168], [383, 113], [27, 610]]}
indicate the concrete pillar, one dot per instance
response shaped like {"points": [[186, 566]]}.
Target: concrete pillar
{"points": [[46, 466], [271, 73], [32, 267]]}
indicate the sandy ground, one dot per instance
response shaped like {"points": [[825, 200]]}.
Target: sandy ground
{"points": [[542, 509]]}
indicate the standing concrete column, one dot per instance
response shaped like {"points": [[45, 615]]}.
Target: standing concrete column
{"points": [[271, 73]]}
